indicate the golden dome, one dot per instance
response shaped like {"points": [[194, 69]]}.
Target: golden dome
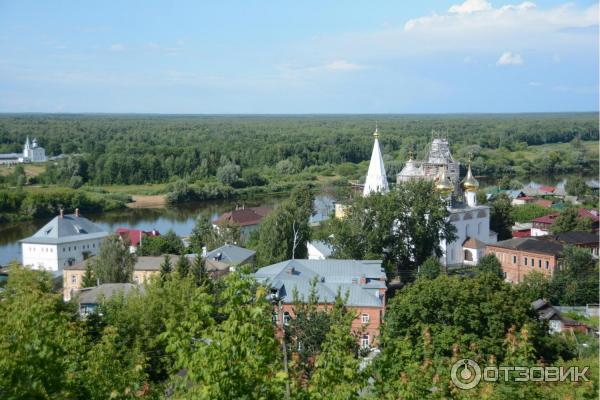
{"points": [[470, 184], [443, 184]]}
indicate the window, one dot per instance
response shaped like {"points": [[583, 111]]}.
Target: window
{"points": [[525, 261], [74, 247], [63, 249], [539, 263], [466, 230], [69, 248], [479, 228], [468, 256], [74, 279], [364, 318], [286, 318], [274, 317], [532, 261], [514, 259], [364, 341], [547, 264]]}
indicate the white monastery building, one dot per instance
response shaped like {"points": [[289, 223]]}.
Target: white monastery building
{"points": [[64, 241], [32, 153], [472, 221]]}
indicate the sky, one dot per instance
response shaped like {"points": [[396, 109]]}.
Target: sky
{"points": [[296, 57]]}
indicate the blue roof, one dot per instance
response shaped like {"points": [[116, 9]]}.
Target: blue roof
{"points": [[66, 229], [231, 254], [331, 275]]}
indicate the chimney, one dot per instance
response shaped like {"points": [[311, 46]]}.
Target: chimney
{"points": [[77, 212], [62, 213], [290, 270], [363, 279]]}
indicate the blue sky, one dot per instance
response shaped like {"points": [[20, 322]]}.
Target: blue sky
{"points": [[298, 57]]}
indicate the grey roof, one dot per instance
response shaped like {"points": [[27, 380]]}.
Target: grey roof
{"points": [[9, 156], [331, 275], [532, 245], [322, 247], [92, 295], [66, 229], [576, 237], [231, 254]]}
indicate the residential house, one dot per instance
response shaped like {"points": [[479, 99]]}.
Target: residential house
{"points": [[227, 258], [557, 322], [88, 299], [64, 241], [541, 226], [144, 268], [585, 240], [248, 219], [135, 236], [318, 250], [520, 256], [364, 281]]}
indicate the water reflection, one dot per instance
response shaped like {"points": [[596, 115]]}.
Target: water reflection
{"points": [[180, 219]]}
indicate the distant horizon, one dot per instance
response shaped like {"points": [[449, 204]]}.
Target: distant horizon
{"points": [[5, 113]]}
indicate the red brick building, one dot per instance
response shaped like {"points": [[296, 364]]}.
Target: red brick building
{"points": [[520, 256]]}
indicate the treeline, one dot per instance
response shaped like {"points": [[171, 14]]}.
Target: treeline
{"points": [[247, 150], [24, 205]]}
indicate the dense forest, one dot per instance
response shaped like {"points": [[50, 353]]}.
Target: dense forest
{"points": [[247, 151]]}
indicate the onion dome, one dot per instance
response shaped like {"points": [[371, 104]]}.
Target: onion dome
{"points": [[443, 184], [470, 184]]}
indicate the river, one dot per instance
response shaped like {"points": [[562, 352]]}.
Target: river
{"points": [[181, 219]]}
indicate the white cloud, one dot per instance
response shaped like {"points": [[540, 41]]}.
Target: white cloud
{"points": [[341, 65], [535, 83], [116, 47], [508, 58], [470, 6]]}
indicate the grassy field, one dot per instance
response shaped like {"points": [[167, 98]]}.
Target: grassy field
{"points": [[30, 169]]}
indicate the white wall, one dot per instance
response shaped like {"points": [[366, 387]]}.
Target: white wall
{"points": [[314, 253], [55, 257], [475, 227]]}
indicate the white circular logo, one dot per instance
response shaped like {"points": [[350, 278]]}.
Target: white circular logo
{"points": [[465, 374]]}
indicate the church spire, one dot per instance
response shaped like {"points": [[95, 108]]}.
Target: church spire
{"points": [[376, 178]]}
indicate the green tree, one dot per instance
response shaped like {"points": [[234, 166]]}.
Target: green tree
{"points": [[203, 235], [576, 281], [40, 343], [165, 267], [284, 232], [535, 285], [112, 371], [199, 272], [489, 264], [228, 174], [409, 223], [576, 186], [182, 266], [501, 219], [569, 220], [238, 358], [89, 279], [114, 263], [430, 269], [337, 373]]}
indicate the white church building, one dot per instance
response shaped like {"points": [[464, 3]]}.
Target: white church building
{"points": [[32, 153], [472, 221], [66, 240]]}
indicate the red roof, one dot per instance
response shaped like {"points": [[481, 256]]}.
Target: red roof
{"points": [[522, 233], [543, 203], [583, 213], [244, 216], [547, 189], [135, 235]]}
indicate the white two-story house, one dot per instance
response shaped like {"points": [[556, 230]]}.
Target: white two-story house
{"points": [[65, 240]]}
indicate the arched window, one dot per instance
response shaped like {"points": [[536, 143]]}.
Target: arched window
{"points": [[468, 256]]}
